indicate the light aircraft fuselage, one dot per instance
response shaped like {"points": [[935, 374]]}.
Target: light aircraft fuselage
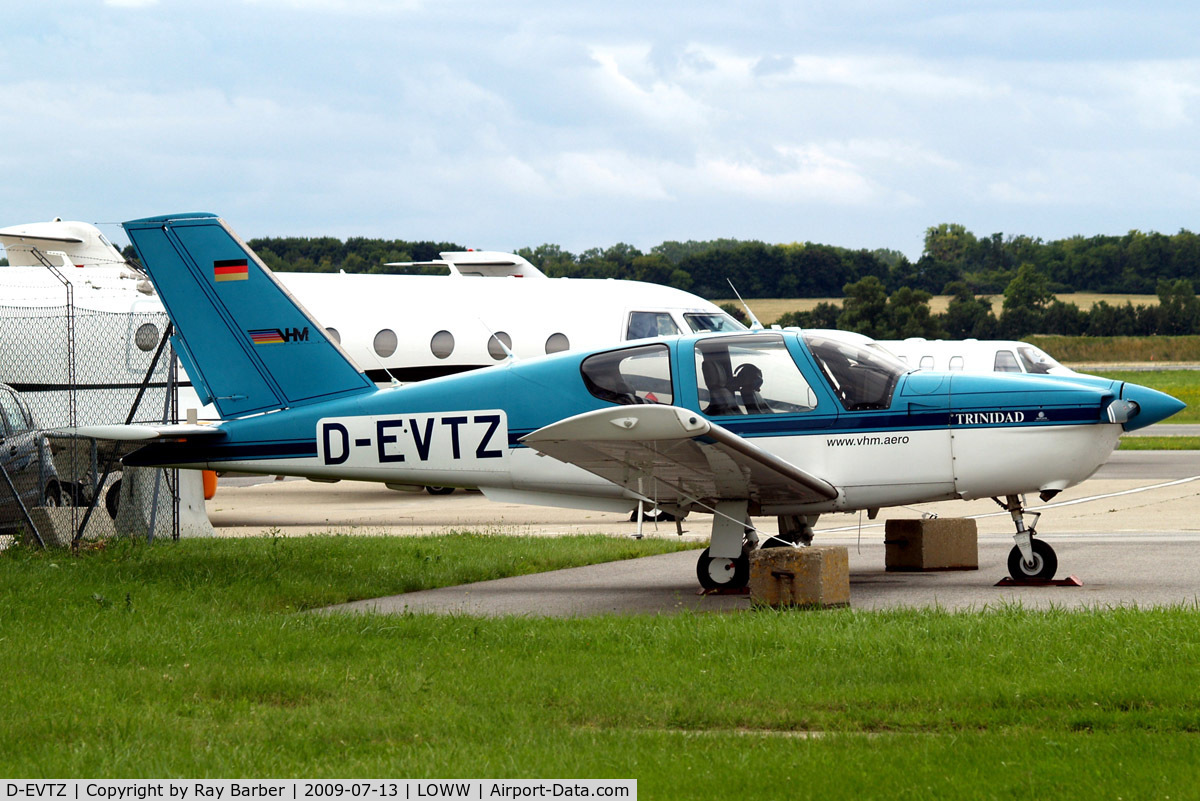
{"points": [[754, 423], [926, 437]]}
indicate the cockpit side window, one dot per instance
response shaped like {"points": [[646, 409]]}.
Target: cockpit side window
{"points": [[629, 376], [1005, 362], [862, 378], [750, 375], [645, 324]]}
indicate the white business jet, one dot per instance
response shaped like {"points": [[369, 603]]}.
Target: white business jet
{"points": [[396, 328]]}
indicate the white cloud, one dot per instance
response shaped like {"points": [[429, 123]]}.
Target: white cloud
{"points": [[858, 121], [628, 81], [611, 174], [367, 7], [808, 174]]}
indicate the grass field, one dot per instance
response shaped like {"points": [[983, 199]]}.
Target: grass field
{"points": [[190, 659], [1168, 443], [768, 310], [1120, 350]]}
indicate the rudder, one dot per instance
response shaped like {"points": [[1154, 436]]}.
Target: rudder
{"points": [[245, 341]]}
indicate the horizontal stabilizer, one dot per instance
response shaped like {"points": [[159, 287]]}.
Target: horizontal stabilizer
{"points": [[140, 432], [673, 455]]}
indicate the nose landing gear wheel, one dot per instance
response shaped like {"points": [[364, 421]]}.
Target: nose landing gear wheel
{"points": [[1045, 563], [723, 573]]}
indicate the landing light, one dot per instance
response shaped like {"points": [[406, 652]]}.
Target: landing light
{"points": [[1122, 411]]}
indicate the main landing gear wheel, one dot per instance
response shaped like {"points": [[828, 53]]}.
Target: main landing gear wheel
{"points": [[723, 573], [1045, 563], [112, 499], [55, 495]]}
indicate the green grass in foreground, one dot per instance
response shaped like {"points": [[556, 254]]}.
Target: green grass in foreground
{"points": [[188, 659]]}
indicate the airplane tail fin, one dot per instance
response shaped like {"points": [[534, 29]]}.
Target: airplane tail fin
{"points": [[246, 343]]}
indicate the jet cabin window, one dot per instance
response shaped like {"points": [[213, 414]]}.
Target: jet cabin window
{"points": [[633, 375], [862, 378], [644, 325], [750, 375]]}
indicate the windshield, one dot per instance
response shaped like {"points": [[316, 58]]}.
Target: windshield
{"points": [[1036, 360], [716, 322], [862, 378]]}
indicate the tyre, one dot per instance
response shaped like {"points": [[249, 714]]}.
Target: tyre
{"points": [[717, 573], [1045, 563], [439, 490], [55, 495], [112, 499]]}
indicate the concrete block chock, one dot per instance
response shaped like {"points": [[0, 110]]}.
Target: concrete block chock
{"points": [[943, 543], [813, 578]]}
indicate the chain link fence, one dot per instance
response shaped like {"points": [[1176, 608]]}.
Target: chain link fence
{"points": [[64, 363]]}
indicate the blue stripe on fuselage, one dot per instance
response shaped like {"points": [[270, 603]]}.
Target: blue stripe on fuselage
{"points": [[884, 422]]}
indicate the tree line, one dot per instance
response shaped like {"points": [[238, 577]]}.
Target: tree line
{"points": [[1029, 307], [1134, 263], [885, 293]]}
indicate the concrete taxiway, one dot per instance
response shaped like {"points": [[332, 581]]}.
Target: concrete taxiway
{"points": [[1132, 535]]}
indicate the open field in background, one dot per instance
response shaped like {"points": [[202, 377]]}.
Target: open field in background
{"points": [[768, 310], [190, 659], [1120, 350]]}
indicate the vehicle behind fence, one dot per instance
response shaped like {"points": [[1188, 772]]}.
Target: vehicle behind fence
{"points": [[69, 358]]}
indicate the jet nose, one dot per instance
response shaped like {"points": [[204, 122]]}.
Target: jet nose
{"points": [[1152, 406]]}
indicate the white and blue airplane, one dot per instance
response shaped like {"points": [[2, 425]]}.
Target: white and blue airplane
{"points": [[758, 423]]}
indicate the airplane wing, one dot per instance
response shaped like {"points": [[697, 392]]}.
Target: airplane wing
{"points": [[673, 455]]}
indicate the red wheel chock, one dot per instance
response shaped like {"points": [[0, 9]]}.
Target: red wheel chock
{"points": [[1069, 581]]}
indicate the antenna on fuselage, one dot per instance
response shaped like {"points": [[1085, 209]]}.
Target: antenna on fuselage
{"points": [[755, 325], [510, 356]]}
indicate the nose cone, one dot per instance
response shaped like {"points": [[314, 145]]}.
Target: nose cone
{"points": [[1153, 406]]}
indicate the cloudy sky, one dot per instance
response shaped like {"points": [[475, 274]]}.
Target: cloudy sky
{"points": [[504, 124]]}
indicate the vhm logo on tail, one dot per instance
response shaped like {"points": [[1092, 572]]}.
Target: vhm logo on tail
{"points": [[277, 336]]}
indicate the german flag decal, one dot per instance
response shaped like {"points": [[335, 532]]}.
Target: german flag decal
{"points": [[266, 336], [230, 270]]}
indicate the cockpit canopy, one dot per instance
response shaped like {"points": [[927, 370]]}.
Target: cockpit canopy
{"points": [[747, 375]]}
